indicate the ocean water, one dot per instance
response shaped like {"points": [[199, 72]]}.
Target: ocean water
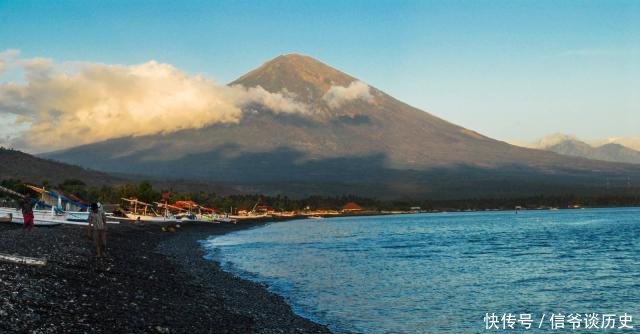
{"points": [[443, 273]]}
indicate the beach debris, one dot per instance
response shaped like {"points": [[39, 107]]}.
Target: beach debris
{"points": [[31, 261], [171, 228], [162, 330]]}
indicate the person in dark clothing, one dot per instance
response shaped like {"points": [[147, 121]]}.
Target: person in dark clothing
{"points": [[27, 212], [98, 225]]}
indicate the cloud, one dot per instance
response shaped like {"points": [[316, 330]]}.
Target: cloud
{"points": [[553, 139], [64, 105], [337, 96], [6, 57], [282, 102]]}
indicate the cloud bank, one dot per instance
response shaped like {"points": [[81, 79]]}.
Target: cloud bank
{"points": [[69, 104], [337, 96]]}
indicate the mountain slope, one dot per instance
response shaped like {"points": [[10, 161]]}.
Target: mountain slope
{"points": [[30, 169], [368, 144], [18, 165]]}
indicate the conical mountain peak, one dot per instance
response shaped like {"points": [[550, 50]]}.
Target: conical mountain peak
{"points": [[365, 143], [304, 76]]}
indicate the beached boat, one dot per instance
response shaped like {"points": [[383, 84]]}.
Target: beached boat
{"points": [[315, 217], [73, 208], [40, 217], [5, 218], [147, 218], [144, 212], [60, 208], [255, 213], [189, 211], [76, 216], [205, 214], [284, 214], [225, 219]]}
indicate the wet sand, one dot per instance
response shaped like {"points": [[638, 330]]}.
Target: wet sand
{"points": [[151, 281]]}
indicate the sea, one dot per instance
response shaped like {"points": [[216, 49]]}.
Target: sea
{"points": [[472, 272]]}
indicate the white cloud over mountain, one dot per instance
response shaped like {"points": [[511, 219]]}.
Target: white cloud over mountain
{"points": [[337, 96], [69, 104]]}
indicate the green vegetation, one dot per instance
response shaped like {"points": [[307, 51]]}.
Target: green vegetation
{"points": [[145, 192]]}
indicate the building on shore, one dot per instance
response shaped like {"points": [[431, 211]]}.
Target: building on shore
{"points": [[351, 207]]}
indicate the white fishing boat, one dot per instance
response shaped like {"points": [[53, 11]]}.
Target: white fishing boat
{"points": [[73, 208], [5, 218], [250, 214], [190, 211], [144, 212], [147, 218], [62, 208], [224, 219], [40, 217], [76, 216]]}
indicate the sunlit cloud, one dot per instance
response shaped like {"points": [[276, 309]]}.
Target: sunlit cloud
{"points": [[69, 104], [6, 57], [337, 96]]}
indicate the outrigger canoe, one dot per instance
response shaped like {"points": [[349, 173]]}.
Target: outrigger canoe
{"points": [[40, 218]]}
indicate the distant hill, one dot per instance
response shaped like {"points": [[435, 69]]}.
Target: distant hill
{"points": [[572, 146], [28, 168], [355, 140]]}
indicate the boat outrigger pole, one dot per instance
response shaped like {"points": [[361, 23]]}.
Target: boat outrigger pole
{"points": [[11, 192]]}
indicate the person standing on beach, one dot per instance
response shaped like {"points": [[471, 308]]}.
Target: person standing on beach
{"points": [[98, 225], [27, 213], [89, 229]]}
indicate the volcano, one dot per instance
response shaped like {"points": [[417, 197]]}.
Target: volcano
{"points": [[355, 139]]}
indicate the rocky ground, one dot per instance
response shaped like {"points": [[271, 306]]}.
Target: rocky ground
{"points": [[151, 281]]}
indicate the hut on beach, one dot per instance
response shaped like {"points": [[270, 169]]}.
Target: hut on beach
{"points": [[351, 207]]}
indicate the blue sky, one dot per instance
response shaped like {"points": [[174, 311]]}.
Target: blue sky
{"points": [[513, 70]]}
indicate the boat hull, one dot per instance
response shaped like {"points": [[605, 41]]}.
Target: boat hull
{"points": [[76, 216], [143, 218], [40, 218]]}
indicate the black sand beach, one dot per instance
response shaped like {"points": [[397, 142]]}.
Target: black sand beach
{"points": [[152, 281]]}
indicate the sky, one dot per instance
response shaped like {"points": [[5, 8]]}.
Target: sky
{"points": [[512, 70]]}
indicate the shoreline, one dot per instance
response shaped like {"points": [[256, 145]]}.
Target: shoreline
{"points": [[151, 282], [271, 312]]}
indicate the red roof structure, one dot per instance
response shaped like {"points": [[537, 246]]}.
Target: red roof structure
{"points": [[351, 206]]}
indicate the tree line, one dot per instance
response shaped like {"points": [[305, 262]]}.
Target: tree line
{"points": [[145, 192]]}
